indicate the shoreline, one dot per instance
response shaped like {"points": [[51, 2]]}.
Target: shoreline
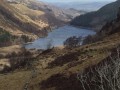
{"points": [[78, 27]]}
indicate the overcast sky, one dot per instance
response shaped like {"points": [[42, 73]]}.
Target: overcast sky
{"points": [[75, 0]]}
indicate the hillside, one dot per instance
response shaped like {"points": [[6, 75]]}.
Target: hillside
{"points": [[50, 12], [49, 9], [57, 69], [17, 23], [27, 17], [98, 18], [111, 27]]}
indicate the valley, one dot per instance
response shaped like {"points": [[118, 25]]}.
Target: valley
{"points": [[44, 47]]}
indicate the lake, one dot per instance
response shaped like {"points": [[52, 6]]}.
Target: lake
{"points": [[58, 36]]}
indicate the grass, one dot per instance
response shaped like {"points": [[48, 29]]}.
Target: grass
{"points": [[63, 73], [14, 81]]}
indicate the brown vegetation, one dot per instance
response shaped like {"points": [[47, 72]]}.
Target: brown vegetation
{"points": [[15, 60], [103, 76]]}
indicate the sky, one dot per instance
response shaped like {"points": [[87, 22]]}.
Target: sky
{"points": [[75, 0]]}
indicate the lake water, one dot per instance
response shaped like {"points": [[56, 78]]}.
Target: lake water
{"points": [[58, 36]]}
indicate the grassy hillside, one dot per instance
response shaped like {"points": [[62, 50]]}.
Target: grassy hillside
{"points": [[17, 23], [58, 15], [59, 67], [19, 19]]}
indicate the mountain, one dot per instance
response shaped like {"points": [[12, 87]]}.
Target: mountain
{"points": [[20, 20], [111, 27], [51, 13], [98, 18], [30, 17], [84, 6], [49, 9]]}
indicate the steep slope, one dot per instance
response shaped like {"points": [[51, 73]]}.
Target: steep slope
{"points": [[48, 16], [19, 17], [18, 23], [98, 18], [111, 27], [49, 9]]}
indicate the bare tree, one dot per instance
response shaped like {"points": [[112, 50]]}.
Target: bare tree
{"points": [[49, 44], [105, 76]]}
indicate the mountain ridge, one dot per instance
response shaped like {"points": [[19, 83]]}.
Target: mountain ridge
{"points": [[98, 18]]}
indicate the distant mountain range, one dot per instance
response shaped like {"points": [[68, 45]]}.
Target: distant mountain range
{"points": [[84, 6], [98, 18]]}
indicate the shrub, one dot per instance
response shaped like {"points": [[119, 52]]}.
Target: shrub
{"points": [[19, 60], [91, 39], [1, 56], [7, 38], [73, 42], [25, 39]]}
